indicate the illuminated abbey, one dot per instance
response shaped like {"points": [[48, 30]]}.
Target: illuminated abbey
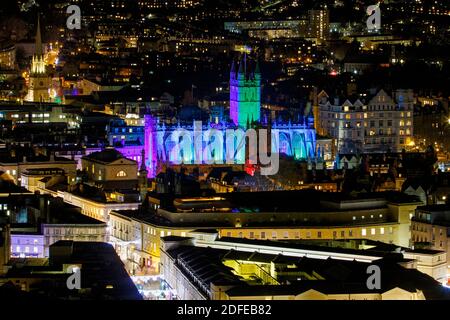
{"points": [[225, 142]]}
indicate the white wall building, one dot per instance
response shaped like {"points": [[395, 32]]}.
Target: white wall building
{"points": [[27, 245], [367, 124]]}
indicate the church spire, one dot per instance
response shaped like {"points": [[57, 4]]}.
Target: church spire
{"points": [[39, 80], [38, 40]]}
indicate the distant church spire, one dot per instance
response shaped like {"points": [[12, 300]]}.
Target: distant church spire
{"points": [[38, 63], [241, 67], [38, 40], [233, 69], [245, 93]]}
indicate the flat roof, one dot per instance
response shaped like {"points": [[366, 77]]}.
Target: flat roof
{"points": [[207, 267], [290, 201], [311, 247]]}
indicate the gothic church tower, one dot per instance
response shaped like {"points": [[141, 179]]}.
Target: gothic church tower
{"points": [[245, 92], [39, 80]]}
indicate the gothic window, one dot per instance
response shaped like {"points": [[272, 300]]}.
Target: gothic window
{"points": [[284, 147]]}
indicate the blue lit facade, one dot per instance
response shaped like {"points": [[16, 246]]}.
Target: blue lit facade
{"points": [[220, 143]]}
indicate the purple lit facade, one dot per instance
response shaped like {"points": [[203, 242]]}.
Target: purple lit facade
{"points": [[27, 246]]}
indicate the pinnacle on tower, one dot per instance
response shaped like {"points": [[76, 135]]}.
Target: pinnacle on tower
{"points": [[143, 167], [241, 67], [233, 69]]}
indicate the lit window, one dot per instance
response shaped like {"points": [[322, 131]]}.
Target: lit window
{"points": [[381, 230], [27, 249], [162, 234], [363, 232], [121, 174], [183, 234], [372, 231], [35, 249]]}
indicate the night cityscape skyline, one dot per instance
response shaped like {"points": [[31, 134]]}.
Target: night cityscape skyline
{"points": [[225, 150]]}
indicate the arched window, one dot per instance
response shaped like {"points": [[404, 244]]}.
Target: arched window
{"points": [[121, 174]]}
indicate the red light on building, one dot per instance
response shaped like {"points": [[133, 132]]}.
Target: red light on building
{"points": [[250, 168]]}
